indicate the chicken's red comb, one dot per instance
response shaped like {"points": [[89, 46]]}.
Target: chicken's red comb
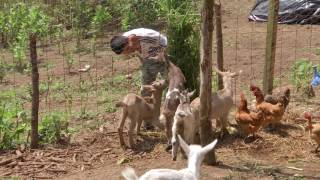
{"points": [[253, 87], [307, 115]]}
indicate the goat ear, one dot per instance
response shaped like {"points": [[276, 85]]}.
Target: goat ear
{"points": [[209, 147], [190, 94], [184, 145]]}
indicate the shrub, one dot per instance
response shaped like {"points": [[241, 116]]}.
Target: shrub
{"points": [[184, 39], [301, 75], [13, 122], [54, 128]]}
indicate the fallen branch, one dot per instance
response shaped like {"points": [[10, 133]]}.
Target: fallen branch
{"points": [[32, 163], [57, 170], [58, 160], [8, 161], [38, 171], [107, 150], [294, 168], [94, 157], [74, 158], [12, 164], [6, 174], [42, 177]]}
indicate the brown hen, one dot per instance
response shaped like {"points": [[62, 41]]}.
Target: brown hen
{"points": [[273, 113], [249, 122]]}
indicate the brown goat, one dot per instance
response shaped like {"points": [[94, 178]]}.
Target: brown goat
{"points": [[137, 109], [176, 85]]}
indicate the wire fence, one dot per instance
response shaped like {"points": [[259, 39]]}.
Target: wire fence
{"points": [[89, 96]]}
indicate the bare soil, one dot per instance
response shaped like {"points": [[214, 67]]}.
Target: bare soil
{"points": [[95, 153]]}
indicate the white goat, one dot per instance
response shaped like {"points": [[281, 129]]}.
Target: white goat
{"points": [[195, 155], [221, 101], [139, 109], [184, 123], [176, 85]]}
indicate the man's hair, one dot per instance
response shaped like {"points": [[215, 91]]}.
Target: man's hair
{"points": [[118, 43]]}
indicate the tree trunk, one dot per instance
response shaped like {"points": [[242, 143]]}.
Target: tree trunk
{"points": [[219, 42], [35, 90], [205, 77]]}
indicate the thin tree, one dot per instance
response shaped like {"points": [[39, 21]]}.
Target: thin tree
{"points": [[28, 22], [205, 77]]}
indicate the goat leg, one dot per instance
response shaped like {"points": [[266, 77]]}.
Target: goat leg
{"points": [[168, 123], [139, 126], [130, 132], [223, 123], [316, 150], [120, 127]]}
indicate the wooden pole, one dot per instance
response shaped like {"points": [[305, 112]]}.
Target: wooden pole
{"points": [[219, 42], [205, 77], [35, 90], [271, 46]]}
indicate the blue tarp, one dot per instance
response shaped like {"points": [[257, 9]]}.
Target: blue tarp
{"points": [[290, 11]]}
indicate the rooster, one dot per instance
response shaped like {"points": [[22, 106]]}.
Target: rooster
{"points": [[249, 122], [314, 130], [273, 113]]}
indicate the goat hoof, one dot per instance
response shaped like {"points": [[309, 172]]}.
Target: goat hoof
{"points": [[174, 158], [168, 148]]}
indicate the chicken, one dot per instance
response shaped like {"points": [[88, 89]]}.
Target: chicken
{"points": [[249, 122], [273, 99], [314, 130], [257, 93], [273, 113]]}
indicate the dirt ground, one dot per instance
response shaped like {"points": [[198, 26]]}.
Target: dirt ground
{"points": [[95, 153]]}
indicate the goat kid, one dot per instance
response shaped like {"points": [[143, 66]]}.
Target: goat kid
{"points": [[195, 155], [184, 123], [221, 101], [138, 109], [176, 85]]}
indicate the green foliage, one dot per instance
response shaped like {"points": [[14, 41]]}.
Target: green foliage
{"points": [[3, 71], [53, 128], [184, 39], [136, 13], [100, 17], [301, 75], [13, 121], [317, 51], [18, 23]]}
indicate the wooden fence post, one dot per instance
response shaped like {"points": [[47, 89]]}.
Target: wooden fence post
{"points": [[35, 90], [268, 71], [206, 77], [219, 42]]}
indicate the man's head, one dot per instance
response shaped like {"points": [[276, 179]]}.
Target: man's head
{"points": [[125, 45]]}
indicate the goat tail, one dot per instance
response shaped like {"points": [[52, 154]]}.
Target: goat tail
{"points": [[120, 104], [129, 174]]}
